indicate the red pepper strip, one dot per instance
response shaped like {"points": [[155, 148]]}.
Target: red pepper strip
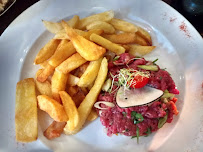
{"points": [[175, 99], [174, 108]]}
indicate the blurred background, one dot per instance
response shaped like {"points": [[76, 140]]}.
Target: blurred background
{"points": [[191, 9]]}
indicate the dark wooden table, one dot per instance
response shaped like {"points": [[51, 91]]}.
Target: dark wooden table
{"points": [[22, 5]]}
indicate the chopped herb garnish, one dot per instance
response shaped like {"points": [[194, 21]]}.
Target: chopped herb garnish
{"points": [[148, 132], [160, 78], [138, 134], [164, 69], [137, 117], [162, 121], [155, 60], [126, 130], [124, 114], [116, 58]]}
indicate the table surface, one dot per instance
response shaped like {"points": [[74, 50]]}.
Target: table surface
{"points": [[21, 5]]}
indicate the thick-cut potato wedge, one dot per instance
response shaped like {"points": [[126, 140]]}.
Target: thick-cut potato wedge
{"points": [[54, 130], [138, 50], [72, 80], [92, 116], [52, 107], [90, 73], [87, 49], [89, 33], [106, 27], [71, 110], [87, 104], [46, 72], [122, 38], [64, 50], [107, 44], [45, 87], [105, 16], [55, 27], [123, 25], [47, 51], [139, 40], [26, 111], [71, 63], [145, 35], [58, 83]]}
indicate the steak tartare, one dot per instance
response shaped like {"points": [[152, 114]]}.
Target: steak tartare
{"points": [[139, 120]]}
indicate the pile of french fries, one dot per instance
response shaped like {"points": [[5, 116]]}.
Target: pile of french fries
{"points": [[74, 67]]}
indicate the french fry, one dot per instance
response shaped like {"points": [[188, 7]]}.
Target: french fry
{"points": [[73, 22], [47, 51], [58, 83], [62, 34], [26, 111], [139, 40], [87, 104], [46, 72], [45, 87], [52, 27], [55, 27], [64, 50], [144, 34], [138, 50], [107, 44], [90, 73], [123, 25], [89, 33], [92, 116], [106, 27], [71, 110], [44, 64], [122, 38], [72, 80], [52, 107], [105, 16], [71, 63], [54, 130], [87, 49]]}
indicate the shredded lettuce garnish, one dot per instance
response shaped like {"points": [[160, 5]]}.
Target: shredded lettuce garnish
{"points": [[126, 78]]}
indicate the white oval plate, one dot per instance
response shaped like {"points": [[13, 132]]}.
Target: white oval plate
{"points": [[180, 51]]}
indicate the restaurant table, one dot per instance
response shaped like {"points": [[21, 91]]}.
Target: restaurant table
{"points": [[20, 5]]}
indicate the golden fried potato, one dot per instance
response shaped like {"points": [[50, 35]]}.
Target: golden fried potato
{"points": [[123, 25], [92, 116], [71, 110], [145, 35], [55, 27], [87, 104], [89, 33], [90, 73], [44, 64], [106, 27], [64, 50], [121, 38], [72, 80], [139, 40], [71, 63], [62, 34], [26, 111], [54, 130], [58, 83], [52, 107], [105, 16], [46, 72], [47, 51], [87, 49], [43, 87], [107, 44], [138, 50]]}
